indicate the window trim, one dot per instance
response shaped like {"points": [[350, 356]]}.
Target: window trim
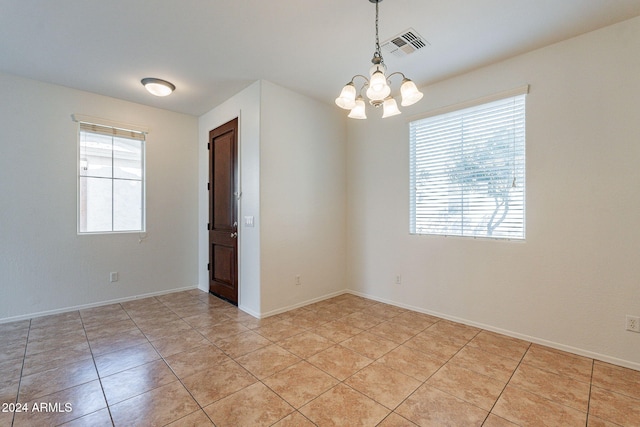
{"points": [[520, 90], [117, 129]]}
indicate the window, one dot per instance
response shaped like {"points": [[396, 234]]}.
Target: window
{"points": [[467, 171], [111, 185]]}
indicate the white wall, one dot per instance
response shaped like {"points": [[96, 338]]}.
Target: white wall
{"points": [[44, 265], [575, 277], [303, 199], [292, 157], [246, 106]]}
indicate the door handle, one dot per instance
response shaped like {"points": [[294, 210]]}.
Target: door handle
{"points": [[234, 235]]}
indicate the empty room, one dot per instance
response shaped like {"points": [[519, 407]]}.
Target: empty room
{"points": [[363, 213]]}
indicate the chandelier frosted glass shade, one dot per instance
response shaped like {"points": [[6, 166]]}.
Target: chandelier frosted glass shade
{"points": [[347, 98], [358, 112], [390, 108], [410, 93]]}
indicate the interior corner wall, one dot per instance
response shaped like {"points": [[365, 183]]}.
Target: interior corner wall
{"points": [[302, 199], [573, 280], [45, 265], [246, 107]]}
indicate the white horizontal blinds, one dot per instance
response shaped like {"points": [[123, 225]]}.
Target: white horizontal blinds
{"points": [[112, 131], [467, 171]]}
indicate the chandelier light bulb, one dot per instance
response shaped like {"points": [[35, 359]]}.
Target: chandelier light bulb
{"points": [[378, 87], [378, 81]]}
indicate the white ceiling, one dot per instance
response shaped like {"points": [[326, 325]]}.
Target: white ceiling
{"points": [[211, 49]]}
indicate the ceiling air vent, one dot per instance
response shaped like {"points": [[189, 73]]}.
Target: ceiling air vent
{"points": [[404, 43]]}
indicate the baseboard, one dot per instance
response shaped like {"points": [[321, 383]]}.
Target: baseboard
{"points": [[302, 304], [249, 311], [536, 340], [92, 305]]}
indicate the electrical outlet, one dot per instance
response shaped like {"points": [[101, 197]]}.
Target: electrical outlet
{"points": [[298, 282], [633, 323], [398, 279], [113, 276]]}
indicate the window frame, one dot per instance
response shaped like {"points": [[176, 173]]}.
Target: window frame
{"points": [[446, 224], [114, 130]]}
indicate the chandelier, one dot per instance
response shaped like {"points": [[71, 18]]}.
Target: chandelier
{"points": [[378, 89]]}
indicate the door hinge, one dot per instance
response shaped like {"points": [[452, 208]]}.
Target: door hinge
{"points": [[209, 226], [208, 186], [208, 146], [208, 267]]}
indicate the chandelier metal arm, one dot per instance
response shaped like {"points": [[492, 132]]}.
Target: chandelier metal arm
{"points": [[360, 75], [364, 85], [394, 73]]}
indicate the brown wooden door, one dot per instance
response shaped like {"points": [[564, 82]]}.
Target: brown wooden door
{"points": [[223, 215]]}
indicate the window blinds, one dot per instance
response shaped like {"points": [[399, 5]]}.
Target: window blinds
{"points": [[112, 131], [467, 171]]}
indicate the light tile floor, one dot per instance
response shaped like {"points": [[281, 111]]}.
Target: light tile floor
{"points": [[190, 359]]}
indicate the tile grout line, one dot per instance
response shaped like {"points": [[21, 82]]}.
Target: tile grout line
{"points": [[505, 386], [70, 387], [393, 411], [226, 354], [24, 359], [593, 364], [281, 397], [95, 365], [435, 372], [340, 382], [295, 410], [201, 408], [557, 402], [115, 373], [36, 373]]}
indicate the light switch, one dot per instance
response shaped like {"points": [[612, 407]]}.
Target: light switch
{"points": [[248, 221]]}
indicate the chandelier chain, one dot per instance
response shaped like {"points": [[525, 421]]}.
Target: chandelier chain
{"points": [[377, 53]]}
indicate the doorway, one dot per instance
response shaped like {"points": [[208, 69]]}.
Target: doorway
{"points": [[223, 211]]}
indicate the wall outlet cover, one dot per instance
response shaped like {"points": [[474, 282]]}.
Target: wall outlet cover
{"points": [[633, 323]]}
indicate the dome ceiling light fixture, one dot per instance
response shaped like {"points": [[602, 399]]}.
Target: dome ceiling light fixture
{"points": [[378, 89], [158, 87]]}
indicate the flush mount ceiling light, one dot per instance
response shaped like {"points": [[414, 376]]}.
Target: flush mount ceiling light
{"points": [[378, 90], [158, 87]]}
